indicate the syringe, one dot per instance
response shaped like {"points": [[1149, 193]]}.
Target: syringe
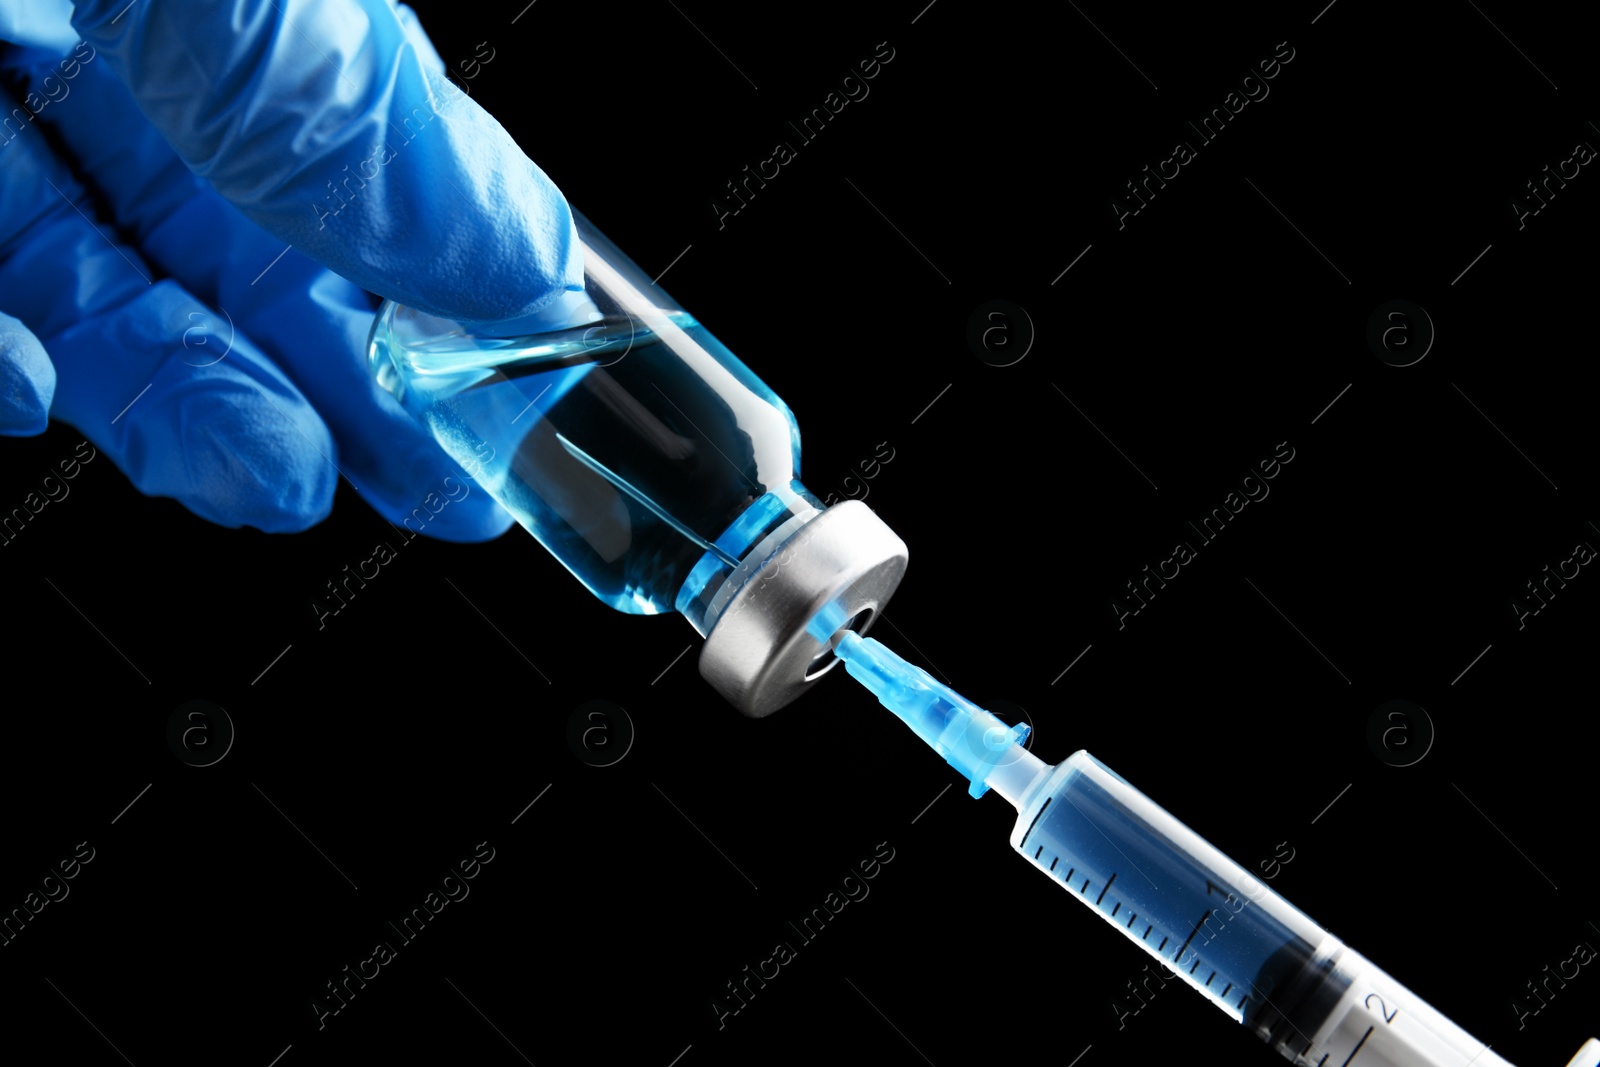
{"points": [[1241, 945]]}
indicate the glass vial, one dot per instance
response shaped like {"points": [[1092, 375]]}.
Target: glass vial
{"points": [[659, 470]]}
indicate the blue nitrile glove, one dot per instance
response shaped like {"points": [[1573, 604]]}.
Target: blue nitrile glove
{"points": [[199, 343]]}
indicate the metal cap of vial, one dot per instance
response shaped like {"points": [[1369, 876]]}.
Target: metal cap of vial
{"points": [[837, 571]]}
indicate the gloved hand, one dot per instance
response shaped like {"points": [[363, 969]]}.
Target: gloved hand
{"points": [[170, 189]]}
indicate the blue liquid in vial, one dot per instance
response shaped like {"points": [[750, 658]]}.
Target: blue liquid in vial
{"points": [[631, 448]]}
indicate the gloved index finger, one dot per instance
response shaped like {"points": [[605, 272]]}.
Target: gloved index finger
{"points": [[323, 123]]}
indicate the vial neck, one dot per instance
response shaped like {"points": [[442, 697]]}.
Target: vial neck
{"points": [[741, 550]]}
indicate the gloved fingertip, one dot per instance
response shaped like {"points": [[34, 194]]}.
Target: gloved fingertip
{"points": [[27, 381], [438, 500], [235, 455], [471, 520]]}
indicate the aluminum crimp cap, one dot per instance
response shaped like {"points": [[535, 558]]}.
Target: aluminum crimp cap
{"points": [[771, 638]]}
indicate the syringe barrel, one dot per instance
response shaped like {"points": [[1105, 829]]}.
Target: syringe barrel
{"points": [[1377, 1022], [1222, 931]]}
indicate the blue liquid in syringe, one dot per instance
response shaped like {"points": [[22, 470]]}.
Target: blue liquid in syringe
{"points": [[1192, 908], [604, 441]]}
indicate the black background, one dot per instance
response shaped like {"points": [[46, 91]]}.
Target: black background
{"points": [[1199, 336]]}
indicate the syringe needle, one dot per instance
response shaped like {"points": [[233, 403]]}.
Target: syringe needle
{"points": [[971, 740]]}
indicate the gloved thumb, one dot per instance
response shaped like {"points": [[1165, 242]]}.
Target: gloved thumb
{"points": [[324, 122], [27, 381]]}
